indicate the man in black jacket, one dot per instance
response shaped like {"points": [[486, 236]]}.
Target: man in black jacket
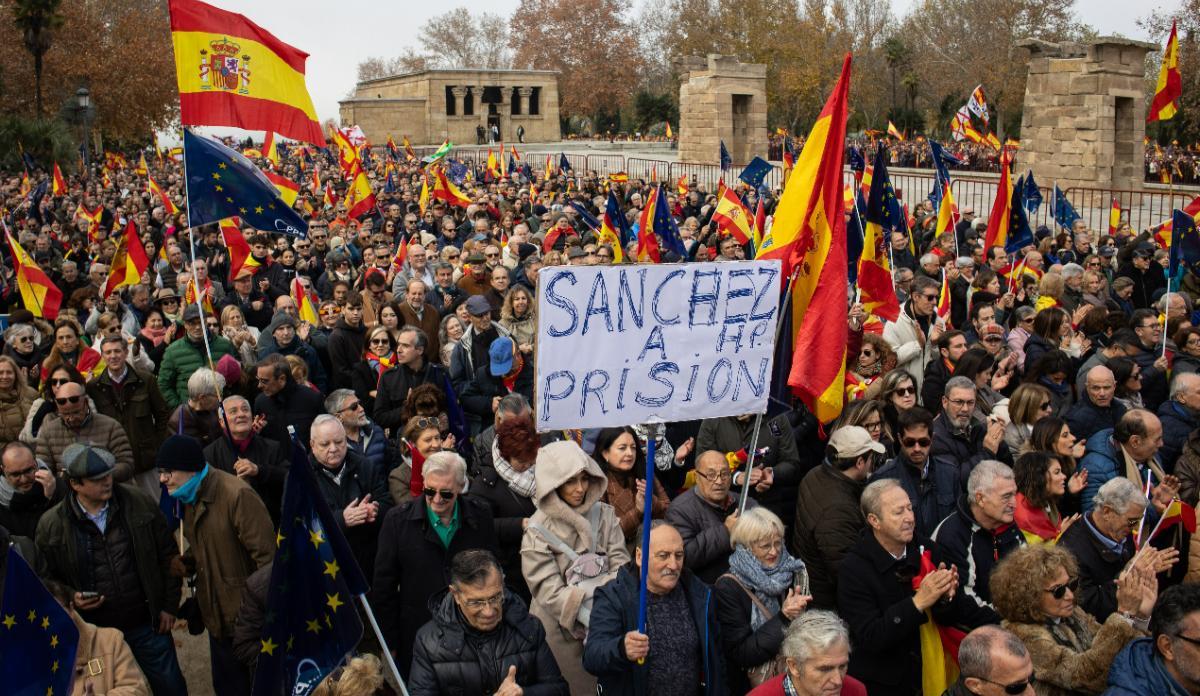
{"points": [[1096, 409], [509, 653], [932, 486], [283, 402], [112, 547], [951, 346], [261, 461], [346, 343], [956, 440], [412, 370], [877, 600], [31, 489]]}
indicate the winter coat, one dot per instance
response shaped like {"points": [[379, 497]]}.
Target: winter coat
{"points": [[621, 494], [975, 551], [412, 566], [136, 537], [98, 430], [731, 434], [1086, 418], [1178, 422], [451, 657], [1187, 469], [267, 455], [359, 478], [1104, 460], [774, 687], [875, 600], [293, 405], [247, 627], [564, 609], [1099, 568], [230, 536], [615, 614], [1138, 670], [933, 386], [522, 330], [745, 647], [913, 349], [429, 322], [933, 493], [300, 349], [182, 358], [706, 546], [139, 407], [14, 407], [1155, 389], [346, 345], [462, 360], [1035, 348], [1063, 670], [394, 386], [829, 521], [104, 661], [476, 397], [509, 512], [373, 445]]}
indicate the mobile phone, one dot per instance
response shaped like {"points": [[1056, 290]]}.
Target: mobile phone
{"points": [[89, 595]]}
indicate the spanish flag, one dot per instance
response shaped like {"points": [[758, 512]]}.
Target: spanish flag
{"points": [[304, 303], [493, 167], [943, 303], [999, 220], [760, 223], [360, 199], [647, 243], [732, 217], [445, 190], [168, 205], [939, 644], [129, 261], [1170, 85], [58, 182], [288, 189], [882, 217], [232, 72], [38, 293], [409, 154], [612, 228], [423, 199], [670, 135], [1114, 216], [894, 132], [239, 249], [947, 213], [401, 254], [270, 149], [142, 169], [347, 153], [809, 236]]}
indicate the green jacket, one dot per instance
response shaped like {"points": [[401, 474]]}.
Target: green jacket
{"points": [[181, 359]]}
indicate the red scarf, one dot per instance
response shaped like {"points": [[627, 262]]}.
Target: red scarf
{"points": [[416, 484], [510, 380]]}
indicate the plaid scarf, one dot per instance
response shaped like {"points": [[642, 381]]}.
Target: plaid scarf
{"points": [[522, 483]]}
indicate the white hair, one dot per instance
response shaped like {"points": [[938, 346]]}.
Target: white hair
{"points": [[205, 381], [446, 463], [984, 476], [812, 633], [1119, 494]]}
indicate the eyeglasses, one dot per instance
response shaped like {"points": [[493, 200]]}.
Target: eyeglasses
{"points": [[1193, 641], [1046, 406], [432, 493], [716, 476], [351, 407], [23, 339], [1155, 325], [906, 391], [873, 425], [64, 400], [916, 442], [423, 423], [927, 298], [1060, 591], [492, 255], [477, 604], [868, 353], [379, 341], [1015, 688], [14, 475], [962, 403]]}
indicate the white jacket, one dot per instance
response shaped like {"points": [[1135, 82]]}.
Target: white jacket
{"points": [[904, 336]]}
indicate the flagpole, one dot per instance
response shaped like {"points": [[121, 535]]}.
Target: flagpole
{"points": [[1142, 523], [647, 508], [387, 654]]}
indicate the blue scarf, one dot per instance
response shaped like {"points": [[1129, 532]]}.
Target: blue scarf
{"points": [[186, 493], [768, 584]]}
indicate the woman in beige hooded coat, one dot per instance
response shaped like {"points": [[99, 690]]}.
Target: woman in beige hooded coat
{"points": [[569, 515]]}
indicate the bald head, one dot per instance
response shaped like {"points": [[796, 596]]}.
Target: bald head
{"points": [[992, 655], [1101, 386]]}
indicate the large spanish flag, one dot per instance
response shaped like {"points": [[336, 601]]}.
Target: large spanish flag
{"points": [[232, 72], [1170, 85], [128, 263], [38, 293], [999, 220], [808, 234]]}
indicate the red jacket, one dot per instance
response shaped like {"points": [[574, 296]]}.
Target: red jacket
{"points": [[774, 687]]}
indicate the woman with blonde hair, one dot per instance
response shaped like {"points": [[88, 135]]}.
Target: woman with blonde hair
{"points": [[519, 316], [1028, 404], [361, 676], [243, 336], [420, 438], [16, 398]]}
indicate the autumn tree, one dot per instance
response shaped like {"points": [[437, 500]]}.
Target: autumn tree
{"points": [[454, 39], [37, 21], [1185, 125], [590, 42]]}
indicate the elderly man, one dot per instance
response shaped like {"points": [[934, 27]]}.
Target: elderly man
{"points": [[884, 614], [132, 398], [258, 460], [187, 354], [198, 416], [362, 436], [443, 293], [416, 544], [933, 486], [500, 628], [1166, 662], [283, 402], [111, 546], [229, 535], [471, 353], [255, 306], [1102, 543], [828, 518], [476, 280], [776, 475], [680, 653], [916, 329], [993, 662], [411, 370], [956, 439], [1096, 409], [355, 489], [77, 423], [816, 647], [27, 489], [417, 311], [704, 516], [285, 341], [981, 531], [1180, 415], [1130, 450]]}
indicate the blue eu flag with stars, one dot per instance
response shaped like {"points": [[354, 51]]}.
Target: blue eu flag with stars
{"points": [[311, 622], [726, 158], [755, 172], [1064, 213], [38, 639], [221, 183]]}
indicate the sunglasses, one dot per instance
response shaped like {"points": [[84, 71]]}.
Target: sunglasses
{"points": [[64, 400], [1060, 591], [906, 391], [432, 493], [916, 442], [1015, 688]]}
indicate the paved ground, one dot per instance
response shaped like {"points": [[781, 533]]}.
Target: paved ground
{"points": [[193, 658]]}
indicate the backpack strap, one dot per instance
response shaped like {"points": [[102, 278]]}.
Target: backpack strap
{"points": [[593, 518], [552, 539], [753, 597]]}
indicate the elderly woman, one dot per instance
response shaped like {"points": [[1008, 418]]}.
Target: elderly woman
{"points": [[624, 464], [816, 648], [1033, 590], [1022, 329], [1187, 344], [20, 344], [198, 416], [573, 545], [518, 316], [420, 438], [1041, 485], [453, 327], [156, 334], [508, 487], [764, 590], [875, 359], [16, 398]]}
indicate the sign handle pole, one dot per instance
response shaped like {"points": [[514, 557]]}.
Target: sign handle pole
{"points": [[647, 508], [387, 654]]}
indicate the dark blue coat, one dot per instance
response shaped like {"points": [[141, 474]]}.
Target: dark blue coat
{"points": [[1177, 423], [1138, 670], [1086, 418]]}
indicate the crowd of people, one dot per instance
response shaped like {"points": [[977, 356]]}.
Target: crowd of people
{"points": [[1013, 471]]}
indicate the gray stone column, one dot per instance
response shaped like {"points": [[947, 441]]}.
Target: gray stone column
{"points": [[460, 95], [524, 93]]}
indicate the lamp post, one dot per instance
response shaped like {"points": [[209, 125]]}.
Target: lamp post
{"points": [[83, 99]]}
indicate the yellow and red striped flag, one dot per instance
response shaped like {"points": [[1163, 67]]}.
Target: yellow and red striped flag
{"points": [[732, 217], [809, 235], [270, 150], [360, 199], [894, 132], [423, 199], [943, 303], [1164, 104], [998, 221], [647, 243], [445, 190], [38, 293], [58, 183], [129, 261], [239, 249], [1114, 216], [947, 213], [401, 254], [168, 205], [142, 169], [288, 189], [232, 72], [304, 303]]}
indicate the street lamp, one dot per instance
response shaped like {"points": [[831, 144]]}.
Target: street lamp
{"points": [[83, 99]]}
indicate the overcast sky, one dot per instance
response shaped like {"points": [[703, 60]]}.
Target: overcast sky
{"points": [[340, 35]]}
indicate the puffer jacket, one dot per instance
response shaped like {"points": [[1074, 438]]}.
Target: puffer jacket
{"points": [[451, 657], [959, 540], [136, 539], [181, 359], [912, 351], [1138, 670], [139, 407], [564, 609], [1063, 670], [104, 662], [98, 430], [828, 523], [1178, 422], [14, 407]]}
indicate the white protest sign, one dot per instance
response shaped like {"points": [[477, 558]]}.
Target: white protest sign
{"points": [[626, 344]]}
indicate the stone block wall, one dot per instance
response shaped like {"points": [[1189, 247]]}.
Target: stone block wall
{"points": [[721, 99]]}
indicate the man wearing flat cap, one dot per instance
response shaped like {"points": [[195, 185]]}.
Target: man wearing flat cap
{"points": [[111, 546]]}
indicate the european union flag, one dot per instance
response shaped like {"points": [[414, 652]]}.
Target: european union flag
{"points": [[1019, 233], [755, 172], [311, 622], [1064, 213], [588, 219], [564, 164], [512, 165], [38, 639], [28, 160], [855, 232], [221, 183], [1185, 246], [1032, 195], [857, 162], [389, 186], [457, 172], [726, 158], [941, 158], [456, 417]]}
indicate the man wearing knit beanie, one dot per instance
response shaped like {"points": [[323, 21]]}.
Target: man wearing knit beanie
{"points": [[228, 532]]}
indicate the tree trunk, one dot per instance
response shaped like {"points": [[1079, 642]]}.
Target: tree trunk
{"points": [[37, 85]]}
